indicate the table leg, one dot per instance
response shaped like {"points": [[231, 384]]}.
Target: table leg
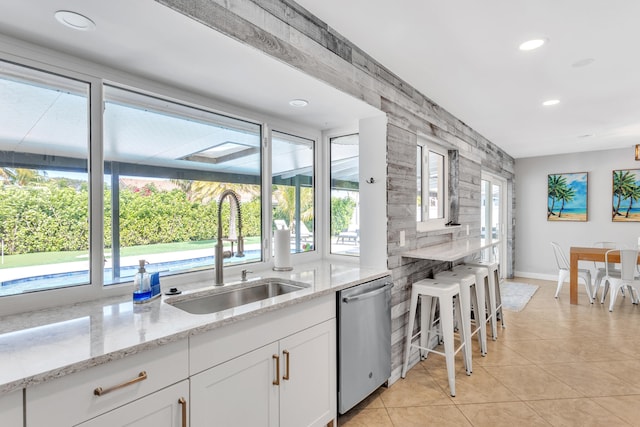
{"points": [[573, 279]]}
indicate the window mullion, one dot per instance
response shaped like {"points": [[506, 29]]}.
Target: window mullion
{"points": [[96, 186]]}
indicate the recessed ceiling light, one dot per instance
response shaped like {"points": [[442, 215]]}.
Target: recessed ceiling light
{"points": [[298, 102], [75, 20], [551, 102], [532, 44]]}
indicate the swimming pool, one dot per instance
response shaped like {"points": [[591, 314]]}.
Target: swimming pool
{"points": [[39, 282]]}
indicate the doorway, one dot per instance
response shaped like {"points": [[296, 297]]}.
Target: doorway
{"points": [[493, 214]]}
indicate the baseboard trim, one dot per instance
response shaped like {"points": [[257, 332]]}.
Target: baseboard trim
{"points": [[529, 275]]}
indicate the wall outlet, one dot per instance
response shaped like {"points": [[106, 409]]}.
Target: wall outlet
{"points": [[401, 238], [467, 229]]}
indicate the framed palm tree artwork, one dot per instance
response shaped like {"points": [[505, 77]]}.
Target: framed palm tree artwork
{"points": [[626, 195], [567, 196]]}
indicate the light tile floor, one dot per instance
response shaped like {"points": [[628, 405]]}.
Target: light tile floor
{"points": [[554, 365]]}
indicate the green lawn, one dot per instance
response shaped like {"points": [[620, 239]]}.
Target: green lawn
{"points": [[43, 258]]}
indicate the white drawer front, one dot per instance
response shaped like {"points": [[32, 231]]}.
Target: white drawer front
{"points": [[71, 399], [217, 346]]}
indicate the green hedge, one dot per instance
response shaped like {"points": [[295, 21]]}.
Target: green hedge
{"points": [[50, 218], [341, 213]]}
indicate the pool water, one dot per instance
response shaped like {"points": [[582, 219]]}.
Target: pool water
{"points": [[72, 278]]}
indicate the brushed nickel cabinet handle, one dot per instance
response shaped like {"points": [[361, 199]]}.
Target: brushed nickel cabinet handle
{"points": [[277, 359], [286, 369], [99, 391], [183, 402]]}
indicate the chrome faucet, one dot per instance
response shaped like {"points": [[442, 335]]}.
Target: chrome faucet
{"points": [[220, 252]]}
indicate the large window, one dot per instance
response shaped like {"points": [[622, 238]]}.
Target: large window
{"points": [[293, 189], [345, 195], [432, 174], [166, 166], [44, 181]]}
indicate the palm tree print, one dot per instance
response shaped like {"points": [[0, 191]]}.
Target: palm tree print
{"points": [[567, 197], [557, 184], [625, 188]]}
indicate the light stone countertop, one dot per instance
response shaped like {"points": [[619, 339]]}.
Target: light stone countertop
{"points": [[451, 251], [42, 345]]}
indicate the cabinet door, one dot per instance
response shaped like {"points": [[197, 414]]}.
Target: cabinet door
{"points": [[11, 409], [164, 408], [308, 396], [239, 392]]}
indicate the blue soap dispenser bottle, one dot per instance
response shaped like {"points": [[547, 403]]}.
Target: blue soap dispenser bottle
{"points": [[141, 284]]}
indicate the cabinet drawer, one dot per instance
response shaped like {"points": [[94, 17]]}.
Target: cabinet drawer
{"points": [[71, 399], [222, 344]]}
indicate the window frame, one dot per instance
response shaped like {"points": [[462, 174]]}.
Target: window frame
{"points": [[329, 137], [426, 223], [315, 166]]}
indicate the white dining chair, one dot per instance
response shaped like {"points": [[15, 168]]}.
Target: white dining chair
{"points": [[628, 263], [601, 271], [564, 272]]}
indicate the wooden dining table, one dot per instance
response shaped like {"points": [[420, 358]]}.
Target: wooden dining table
{"points": [[586, 254]]}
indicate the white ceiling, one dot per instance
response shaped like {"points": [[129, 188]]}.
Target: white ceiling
{"points": [[148, 39], [463, 54], [460, 53]]}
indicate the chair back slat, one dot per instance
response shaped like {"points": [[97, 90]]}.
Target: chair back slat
{"points": [[628, 263], [561, 259]]}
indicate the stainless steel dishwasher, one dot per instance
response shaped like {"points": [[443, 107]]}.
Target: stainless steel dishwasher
{"points": [[364, 340]]}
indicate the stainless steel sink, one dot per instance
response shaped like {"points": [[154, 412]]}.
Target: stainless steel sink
{"points": [[215, 300]]}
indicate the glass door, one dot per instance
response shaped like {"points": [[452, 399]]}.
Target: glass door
{"points": [[493, 215]]}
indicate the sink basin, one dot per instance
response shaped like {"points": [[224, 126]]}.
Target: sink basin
{"points": [[216, 300]]}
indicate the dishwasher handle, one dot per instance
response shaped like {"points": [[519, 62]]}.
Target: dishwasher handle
{"points": [[369, 294]]}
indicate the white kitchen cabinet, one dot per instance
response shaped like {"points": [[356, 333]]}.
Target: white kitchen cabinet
{"points": [[75, 398], [239, 392], [11, 412], [288, 382], [308, 377], [164, 408]]}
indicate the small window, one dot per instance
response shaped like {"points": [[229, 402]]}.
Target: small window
{"points": [[432, 175], [345, 195], [292, 171]]}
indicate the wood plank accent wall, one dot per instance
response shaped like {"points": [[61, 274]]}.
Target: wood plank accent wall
{"points": [[288, 32]]}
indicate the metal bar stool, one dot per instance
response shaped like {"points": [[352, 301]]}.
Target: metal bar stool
{"points": [[443, 292], [495, 299], [471, 295]]}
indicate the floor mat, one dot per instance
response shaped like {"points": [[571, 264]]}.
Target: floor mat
{"points": [[515, 295]]}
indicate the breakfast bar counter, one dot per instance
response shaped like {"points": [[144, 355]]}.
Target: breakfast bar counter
{"points": [[451, 251]]}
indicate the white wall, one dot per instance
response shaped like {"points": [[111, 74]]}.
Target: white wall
{"points": [[373, 196], [534, 257]]}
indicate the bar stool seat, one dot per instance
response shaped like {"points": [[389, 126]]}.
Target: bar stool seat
{"points": [[471, 294], [431, 291], [495, 299]]}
